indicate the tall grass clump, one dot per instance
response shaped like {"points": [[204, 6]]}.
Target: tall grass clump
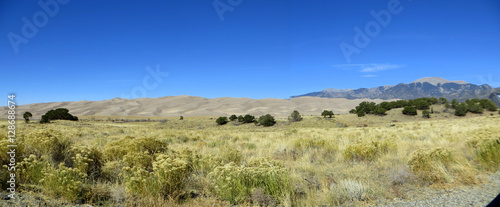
{"points": [[366, 150], [441, 165], [487, 152], [349, 190], [236, 183]]}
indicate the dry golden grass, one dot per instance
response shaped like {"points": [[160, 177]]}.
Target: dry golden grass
{"points": [[316, 161]]}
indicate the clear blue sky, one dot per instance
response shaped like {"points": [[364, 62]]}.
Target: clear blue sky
{"points": [[97, 50]]}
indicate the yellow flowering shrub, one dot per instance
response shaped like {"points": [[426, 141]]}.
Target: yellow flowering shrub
{"points": [[63, 181], [235, 183], [366, 150]]}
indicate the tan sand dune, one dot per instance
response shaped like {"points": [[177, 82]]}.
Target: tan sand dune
{"points": [[190, 106]]}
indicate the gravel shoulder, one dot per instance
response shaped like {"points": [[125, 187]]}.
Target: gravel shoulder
{"points": [[480, 195]]}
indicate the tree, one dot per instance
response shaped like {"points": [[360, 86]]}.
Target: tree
{"points": [[221, 120], [432, 110], [360, 113], [488, 105], [27, 115], [295, 116], [248, 118], [409, 110], [240, 118], [461, 109], [233, 117], [454, 103], [58, 114], [443, 100], [352, 111], [475, 108], [267, 120], [327, 113], [426, 114], [181, 118], [421, 104], [379, 110]]}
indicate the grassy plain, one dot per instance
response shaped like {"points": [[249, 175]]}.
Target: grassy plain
{"points": [[315, 162]]}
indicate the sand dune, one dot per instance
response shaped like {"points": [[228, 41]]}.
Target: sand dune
{"points": [[189, 106]]}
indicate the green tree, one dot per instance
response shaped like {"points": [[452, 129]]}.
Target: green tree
{"points": [[27, 115], [352, 111], [421, 103], [267, 120], [443, 100], [295, 116], [454, 103], [240, 118], [475, 108], [409, 110], [461, 109], [181, 118], [233, 117], [360, 113], [327, 113], [488, 105], [221, 120], [58, 114], [426, 114], [379, 110], [248, 118]]}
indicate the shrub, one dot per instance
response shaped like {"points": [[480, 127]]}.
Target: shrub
{"points": [[88, 160], [360, 113], [47, 143], [27, 115], [366, 150], [31, 170], [267, 120], [221, 120], [248, 118], [350, 190], [461, 109], [409, 110], [63, 181], [426, 114], [235, 183], [475, 108], [295, 116], [233, 117], [380, 111], [240, 118], [352, 111], [327, 113], [181, 118]]}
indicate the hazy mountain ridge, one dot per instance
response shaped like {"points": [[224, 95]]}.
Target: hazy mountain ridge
{"points": [[424, 87]]}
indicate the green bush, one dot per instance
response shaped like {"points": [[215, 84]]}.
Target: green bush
{"points": [[221, 120], [267, 120], [27, 115], [409, 110], [240, 118], [461, 109], [233, 117], [475, 108], [327, 113], [426, 114], [295, 116], [360, 113], [248, 118]]}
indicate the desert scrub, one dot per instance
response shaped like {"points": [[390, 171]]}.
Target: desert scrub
{"points": [[367, 150], [441, 165], [63, 181], [31, 170], [349, 190], [115, 150], [88, 160], [167, 179], [47, 142], [235, 183], [487, 152], [314, 143]]}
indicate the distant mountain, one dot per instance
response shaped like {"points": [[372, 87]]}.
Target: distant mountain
{"points": [[424, 87]]}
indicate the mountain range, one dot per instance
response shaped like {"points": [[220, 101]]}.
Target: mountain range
{"points": [[424, 87]]}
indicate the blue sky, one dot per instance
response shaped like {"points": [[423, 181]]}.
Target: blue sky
{"points": [[97, 50]]}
